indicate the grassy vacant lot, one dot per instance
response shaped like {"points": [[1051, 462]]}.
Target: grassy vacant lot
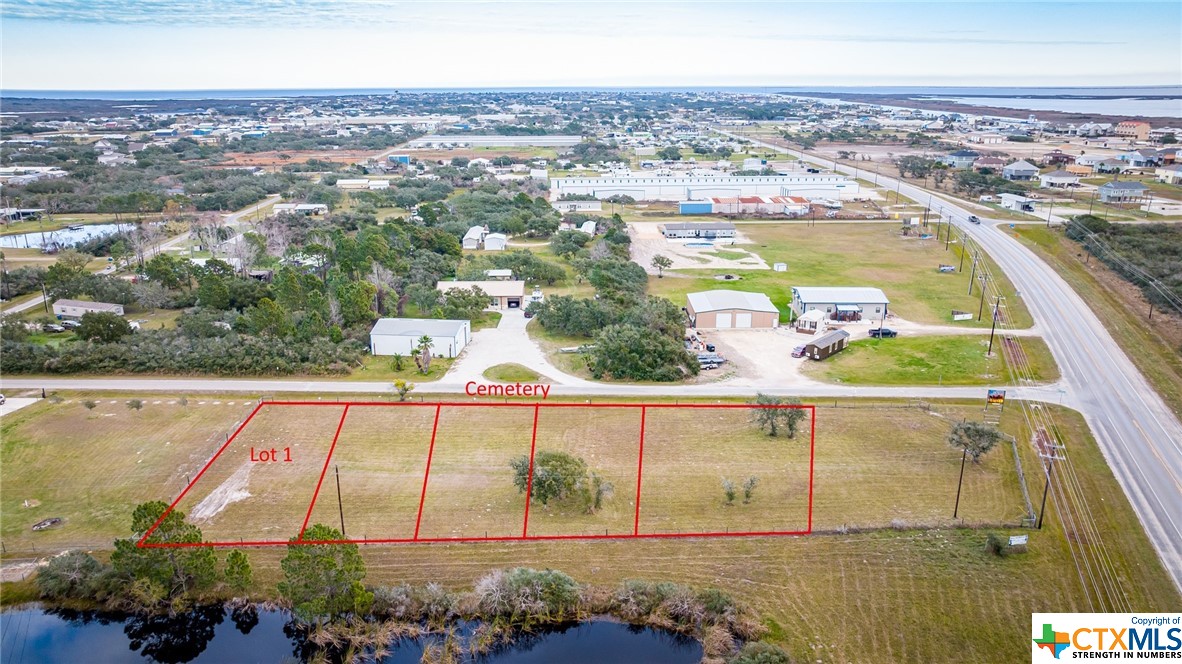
{"points": [[91, 467], [513, 373], [956, 360], [1152, 345], [857, 254]]}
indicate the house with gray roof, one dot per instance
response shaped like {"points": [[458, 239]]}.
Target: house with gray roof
{"points": [[1122, 191], [960, 159], [1019, 170], [1058, 179]]}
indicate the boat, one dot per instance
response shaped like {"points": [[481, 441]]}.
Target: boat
{"points": [[75, 227]]}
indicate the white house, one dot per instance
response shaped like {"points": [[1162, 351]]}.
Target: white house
{"points": [[495, 242], [1019, 170], [75, 308], [1017, 203], [1057, 179], [473, 237], [1171, 174], [401, 335], [841, 303]]}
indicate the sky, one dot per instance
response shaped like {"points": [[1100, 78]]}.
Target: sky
{"points": [[309, 44]]}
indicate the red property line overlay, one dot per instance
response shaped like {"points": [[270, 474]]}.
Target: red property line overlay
{"points": [[636, 534]]}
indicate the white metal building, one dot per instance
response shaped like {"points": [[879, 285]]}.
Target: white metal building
{"points": [[473, 237], [474, 140], [495, 242], [648, 187], [841, 303], [401, 336]]}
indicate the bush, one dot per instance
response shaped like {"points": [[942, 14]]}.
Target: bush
{"points": [[761, 653], [635, 353], [524, 594], [996, 545], [72, 575]]}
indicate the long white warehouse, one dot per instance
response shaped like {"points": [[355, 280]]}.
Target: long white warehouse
{"points": [[690, 188], [485, 140]]}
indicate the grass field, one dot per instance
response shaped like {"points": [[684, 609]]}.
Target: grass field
{"points": [[958, 360], [856, 254], [1151, 345], [513, 373], [852, 597]]}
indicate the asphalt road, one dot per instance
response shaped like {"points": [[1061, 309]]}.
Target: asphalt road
{"points": [[1138, 434]]}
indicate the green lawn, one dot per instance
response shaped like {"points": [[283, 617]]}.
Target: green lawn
{"points": [[512, 373], [856, 254], [952, 360], [382, 367]]}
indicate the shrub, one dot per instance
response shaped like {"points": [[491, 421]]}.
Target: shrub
{"points": [[761, 653]]}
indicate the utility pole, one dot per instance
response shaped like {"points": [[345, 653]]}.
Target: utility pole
{"points": [[973, 274], [956, 508], [993, 328], [963, 248], [340, 506], [1045, 490], [1049, 211], [981, 307]]}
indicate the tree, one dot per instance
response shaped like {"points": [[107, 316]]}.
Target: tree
{"points": [[103, 326], [728, 490], [212, 292], [670, 153], [749, 488], [464, 303], [403, 388], [556, 476], [70, 575], [425, 297], [357, 302], [423, 354], [173, 572], [323, 581], [238, 573], [268, 318], [567, 243], [629, 352], [396, 361], [601, 490], [151, 295], [135, 404], [662, 263], [770, 414], [975, 438]]}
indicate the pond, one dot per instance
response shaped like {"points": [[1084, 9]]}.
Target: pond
{"points": [[64, 237], [217, 634]]}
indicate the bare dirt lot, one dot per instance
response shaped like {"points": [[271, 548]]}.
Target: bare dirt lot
{"points": [[276, 160], [724, 253]]}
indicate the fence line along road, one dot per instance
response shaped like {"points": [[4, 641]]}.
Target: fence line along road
{"points": [[1138, 434]]}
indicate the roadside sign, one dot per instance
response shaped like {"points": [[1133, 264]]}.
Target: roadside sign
{"points": [[1019, 540], [996, 396]]}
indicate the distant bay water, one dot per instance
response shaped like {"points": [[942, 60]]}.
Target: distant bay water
{"points": [[1151, 101]]}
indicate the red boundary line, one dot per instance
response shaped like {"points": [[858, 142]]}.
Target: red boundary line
{"points": [[524, 537], [639, 472], [529, 483], [427, 472], [209, 463], [327, 459]]}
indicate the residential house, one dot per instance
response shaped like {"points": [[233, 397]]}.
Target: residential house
{"points": [[1017, 203], [704, 230], [1171, 174], [1019, 170], [992, 163], [502, 294], [841, 303], [75, 308], [1055, 157], [1059, 179], [960, 159], [1111, 166], [1122, 191], [473, 237]]}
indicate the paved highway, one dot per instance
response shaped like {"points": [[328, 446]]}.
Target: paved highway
{"points": [[1139, 435]]}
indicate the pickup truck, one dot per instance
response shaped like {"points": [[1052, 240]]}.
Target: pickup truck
{"points": [[883, 333]]}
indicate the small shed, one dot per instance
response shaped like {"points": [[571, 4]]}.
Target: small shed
{"points": [[827, 344], [810, 322]]}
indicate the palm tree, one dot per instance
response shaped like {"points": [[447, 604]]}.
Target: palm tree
{"points": [[423, 356]]}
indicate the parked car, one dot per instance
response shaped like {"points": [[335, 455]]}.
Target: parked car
{"points": [[798, 351], [974, 219], [883, 333], [529, 314], [709, 348], [71, 324], [53, 327]]}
